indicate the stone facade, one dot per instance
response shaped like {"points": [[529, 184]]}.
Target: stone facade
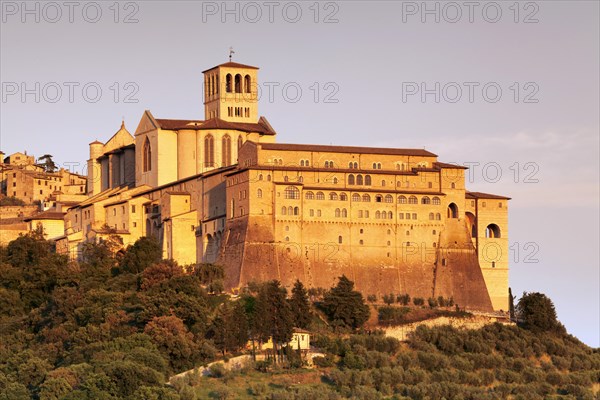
{"points": [[221, 190]]}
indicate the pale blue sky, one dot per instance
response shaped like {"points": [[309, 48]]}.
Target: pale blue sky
{"points": [[372, 55]]}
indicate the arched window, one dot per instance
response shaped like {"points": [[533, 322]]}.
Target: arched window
{"points": [[147, 156], [302, 163], [350, 165], [344, 213], [350, 179], [452, 210], [343, 197], [377, 214], [390, 215], [359, 179], [228, 83], [366, 198], [453, 185], [290, 210], [355, 197], [431, 216], [383, 182], [374, 165], [335, 180], [337, 213], [292, 192], [413, 200], [438, 217], [269, 178], [260, 177], [389, 198], [425, 200], [209, 151], [247, 83], [240, 142], [285, 178], [296, 210], [309, 196], [333, 196], [368, 180], [259, 193], [320, 196], [383, 215], [226, 150], [300, 179], [435, 201], [283, 211], [402, 199], [238, 83], [492, 231]]}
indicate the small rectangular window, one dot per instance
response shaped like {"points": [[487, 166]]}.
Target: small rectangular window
{"points": [[133, 208], [414, 216]]}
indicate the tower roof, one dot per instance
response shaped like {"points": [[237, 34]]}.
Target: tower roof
{"points": [[231, 64]]}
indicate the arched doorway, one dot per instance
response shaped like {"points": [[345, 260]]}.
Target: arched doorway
{"points": [[472, 223], [452, 210]]}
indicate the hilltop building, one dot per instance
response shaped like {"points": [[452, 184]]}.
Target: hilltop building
{"points": [[222, 190]]}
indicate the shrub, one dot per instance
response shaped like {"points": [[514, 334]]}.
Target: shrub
{"points": [[388, 299], [372, 298], [403, 299], [418, 301], [392, 315], [11, 201], [323, 362], [432, 302], [217, 370]]}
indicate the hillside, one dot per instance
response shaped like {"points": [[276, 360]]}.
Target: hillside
{"points": [[118, 327]]}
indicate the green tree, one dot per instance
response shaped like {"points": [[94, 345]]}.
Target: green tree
{"points": [[54, 389], [300, 306], [174, 341], [47, 162], [211, 275], [344, 306], [274, 317], [535, 311], [229, 330], [139, 256]]}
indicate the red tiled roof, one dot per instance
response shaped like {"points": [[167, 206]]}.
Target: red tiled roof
{"points": [[480, 195], [231, 64], [216, 123], [46, 215], [346, 149]]}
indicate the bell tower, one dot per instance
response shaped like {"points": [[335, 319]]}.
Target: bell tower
{"points": [[231, 92]]}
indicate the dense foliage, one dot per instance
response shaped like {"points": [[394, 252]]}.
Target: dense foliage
{"points": [[117, 326]]}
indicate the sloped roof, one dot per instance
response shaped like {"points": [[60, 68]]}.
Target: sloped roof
{"points": [[346, 149], [231, 64], [262, 126], [55, 215], [480, 195]]}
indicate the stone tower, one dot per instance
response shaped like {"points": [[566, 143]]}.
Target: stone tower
{"points": [[231, 93]]}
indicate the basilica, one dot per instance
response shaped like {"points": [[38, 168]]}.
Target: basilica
{"points": [[224, 190]]}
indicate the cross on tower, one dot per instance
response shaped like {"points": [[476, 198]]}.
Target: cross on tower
{"points": [[231, 53]]}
